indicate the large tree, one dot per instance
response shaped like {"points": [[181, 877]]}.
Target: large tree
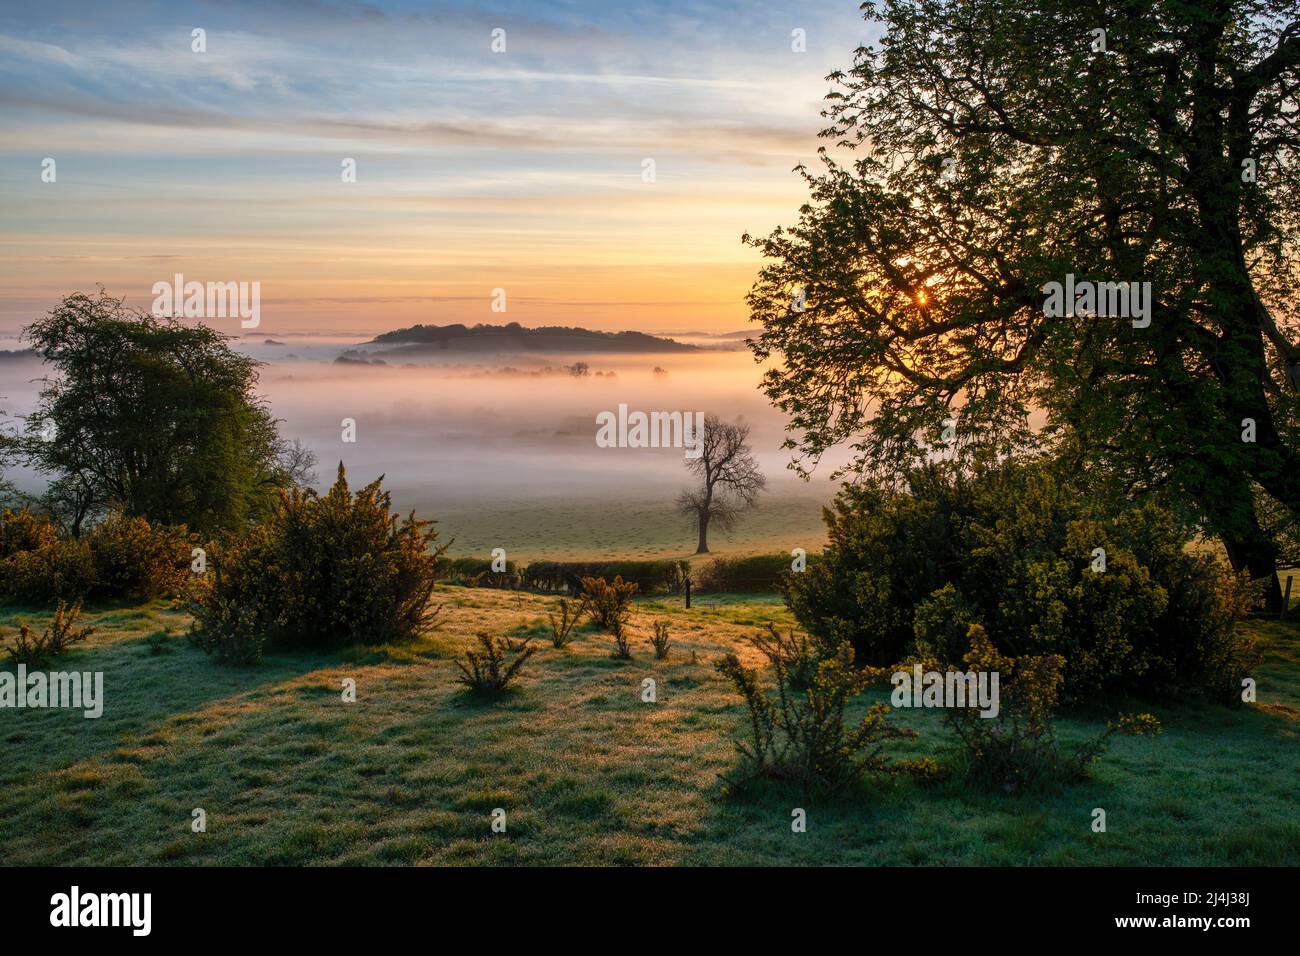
{"points": [[986, 149], [153, 417], [730, 479]]}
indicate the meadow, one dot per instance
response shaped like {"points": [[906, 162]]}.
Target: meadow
{"points": [[288, 773]]}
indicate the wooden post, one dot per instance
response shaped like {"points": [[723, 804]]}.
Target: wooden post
{"points": [[1286, 598], [688, 592]]}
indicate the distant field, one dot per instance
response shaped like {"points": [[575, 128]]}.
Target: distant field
{"points": [[587, 773], [634, 527]]}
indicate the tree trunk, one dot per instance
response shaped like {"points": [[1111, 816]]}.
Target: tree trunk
{"points": [[1249, 549], [704, 534], [1240, 361], [1257, 556]]}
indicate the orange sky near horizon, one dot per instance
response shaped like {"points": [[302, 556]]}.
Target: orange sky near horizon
{"points": [[474, 171]]}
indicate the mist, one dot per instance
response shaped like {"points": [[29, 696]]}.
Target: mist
{"points": [[501, 450]]}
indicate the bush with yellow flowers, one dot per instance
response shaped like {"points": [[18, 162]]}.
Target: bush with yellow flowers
{"points": [[322, 571], [803, 735], [1046, 564], [122, 556], [1017, 748]]}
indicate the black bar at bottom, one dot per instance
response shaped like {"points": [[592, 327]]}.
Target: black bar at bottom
{"points": [[326, 906]]}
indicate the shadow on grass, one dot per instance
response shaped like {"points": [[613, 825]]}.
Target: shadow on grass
{"points": [[142, 689]]}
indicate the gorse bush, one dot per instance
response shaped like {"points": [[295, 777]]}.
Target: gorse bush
{"points": [[490, 672], [608, 604], [800, 656], [622, 639], [804, 738], [660, 640], [321, 572], [121, 557], [62, 569], [21, 530], [563, 625], [1017, 748], [224, 625], [54, 641], [134, 559], [1016, 548]]}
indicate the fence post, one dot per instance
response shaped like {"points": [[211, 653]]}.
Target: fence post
{"points": [[1286, 598], [688, 592]]}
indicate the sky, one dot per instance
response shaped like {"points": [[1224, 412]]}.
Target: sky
{"points": [[523, 170]]}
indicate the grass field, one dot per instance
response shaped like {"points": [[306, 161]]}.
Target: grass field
{"points": [[630, 526], [588, 774]]}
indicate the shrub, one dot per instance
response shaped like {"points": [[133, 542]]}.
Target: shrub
{"points": [[134, 559], [61, 634], [650, 577], [1017, 748], [803, 738], [763, 573], [622, 641], [59, 569], [941, 625], [1012, 547], [659, 640], [323, 572], [223, 625], [159, 642], [562, 626], [122, 557], [608, 604], [466, 569], [20, 530], [800, 657], [491, 672]]}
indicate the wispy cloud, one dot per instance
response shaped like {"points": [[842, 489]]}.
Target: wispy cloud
{"points": [[230, 158]]}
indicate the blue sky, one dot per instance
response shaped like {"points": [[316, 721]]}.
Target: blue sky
{"points": [[475, 170]]}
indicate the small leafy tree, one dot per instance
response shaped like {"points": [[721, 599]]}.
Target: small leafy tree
{"points": [[154, 417]]}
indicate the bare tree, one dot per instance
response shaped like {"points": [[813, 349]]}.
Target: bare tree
{"points": [[297, 462], [730, 481]]}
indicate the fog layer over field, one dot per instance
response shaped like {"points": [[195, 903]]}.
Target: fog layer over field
{"points": [[502, 451]]}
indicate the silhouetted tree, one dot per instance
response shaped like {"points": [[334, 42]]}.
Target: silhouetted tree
{"points": [[1000, 147], [730, 481]]}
